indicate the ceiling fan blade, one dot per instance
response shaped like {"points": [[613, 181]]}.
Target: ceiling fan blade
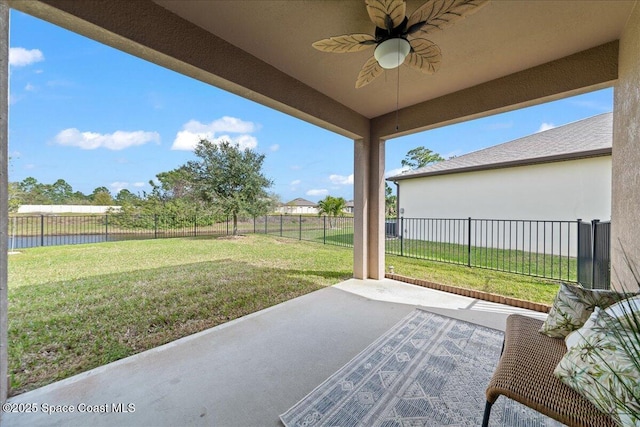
{"points": [[438, 14], [424, 56], [386, 14], [345, 43], [370, 70]]}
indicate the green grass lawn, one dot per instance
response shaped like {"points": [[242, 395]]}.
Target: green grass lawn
{"points": [[73, 308]]}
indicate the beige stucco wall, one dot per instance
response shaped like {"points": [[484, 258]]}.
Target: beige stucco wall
{"points": [[560, 191], [626, 158], [552, 191]]}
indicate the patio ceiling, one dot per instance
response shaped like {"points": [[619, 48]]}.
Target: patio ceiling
{"points": [[261, 49], [502, 38]]}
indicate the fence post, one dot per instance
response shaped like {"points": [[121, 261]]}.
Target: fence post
{"points": [[300, 227], [155, 226], [594, 246], [280, 225], [401, 236], [254, 225], [469, 243], [195, 225], [106, 227], [324, 229], [579, 240], [41, 230]]}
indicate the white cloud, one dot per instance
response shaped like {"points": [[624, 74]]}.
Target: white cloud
{"points": [[119, 185], [296, 168], [546, 126], [29, 87], [394, 172], [21, 57], [274, 147], [296, 182], [320, 192], [341, 180], [139, 184], [193, 131], [118, 140]]}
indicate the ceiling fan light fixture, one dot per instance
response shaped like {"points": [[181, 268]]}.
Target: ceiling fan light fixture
{"points": [[392, 53]]}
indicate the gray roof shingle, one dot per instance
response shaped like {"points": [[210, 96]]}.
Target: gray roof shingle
{"points": [[585, 138], [300, 202]]}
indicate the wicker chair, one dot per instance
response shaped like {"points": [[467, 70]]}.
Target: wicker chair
{"points": [[525, 374]]}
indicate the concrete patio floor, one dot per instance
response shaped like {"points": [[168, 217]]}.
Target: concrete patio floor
{"points": [[248, 371]]}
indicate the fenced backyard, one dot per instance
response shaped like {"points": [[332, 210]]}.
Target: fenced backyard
{"points": [[546, 249]]}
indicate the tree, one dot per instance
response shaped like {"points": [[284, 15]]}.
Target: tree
{"points": [[79, 198], [60, 192], [390, 201], [420, 157], [125, 197], [14, 197], [101, 196], [230, 178], [175, 184], [32, 192], [332, 207]]}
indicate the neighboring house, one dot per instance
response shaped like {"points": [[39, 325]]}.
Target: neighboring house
{"points": [[559, 174], [349, 207], [298, 206]]}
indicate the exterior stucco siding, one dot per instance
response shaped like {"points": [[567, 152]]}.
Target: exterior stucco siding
{"points": [[625, 226], [554, 191]]}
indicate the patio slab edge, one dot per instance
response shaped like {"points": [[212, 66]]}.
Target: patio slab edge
{"points": [[472, 293]]}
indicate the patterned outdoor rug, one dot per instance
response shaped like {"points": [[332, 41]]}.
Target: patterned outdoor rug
{"points": [[428, 370]]}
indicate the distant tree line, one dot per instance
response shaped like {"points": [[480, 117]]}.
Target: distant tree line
{"points": [[31, 192], [223, 182]]}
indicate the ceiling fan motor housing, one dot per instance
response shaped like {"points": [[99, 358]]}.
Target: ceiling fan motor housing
{"points": [[392, 52]]}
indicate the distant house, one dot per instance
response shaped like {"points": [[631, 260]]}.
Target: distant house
{"points": [[349, 207], [560, 174], [298, 206]]}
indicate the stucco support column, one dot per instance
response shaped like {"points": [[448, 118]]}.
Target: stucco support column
{"points": [[368, 236], [4, 192], [361, 207], [376, 208], [625, 194]]}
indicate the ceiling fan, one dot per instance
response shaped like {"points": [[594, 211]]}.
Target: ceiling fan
{"points": [[399, 39]]}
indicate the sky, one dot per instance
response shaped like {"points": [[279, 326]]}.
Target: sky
{"points": [[94, 116]]}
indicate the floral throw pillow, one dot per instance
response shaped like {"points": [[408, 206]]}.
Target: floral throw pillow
{"points": [[604, 367], [572, 307]]}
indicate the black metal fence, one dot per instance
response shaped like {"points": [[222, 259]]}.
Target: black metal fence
{"points": [[594, 254], [322, 229], [49, 230], [26, 231], [536, 248], [558, 250]]}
